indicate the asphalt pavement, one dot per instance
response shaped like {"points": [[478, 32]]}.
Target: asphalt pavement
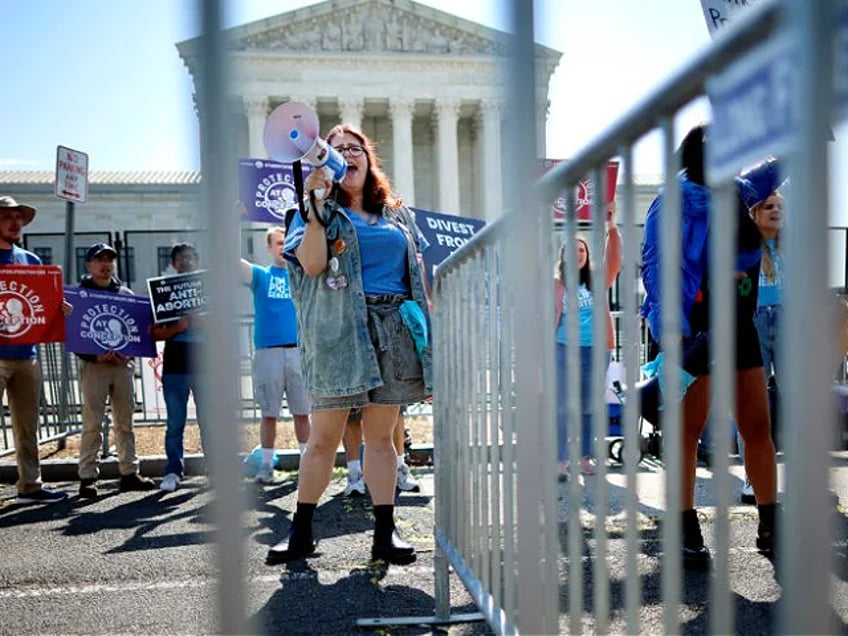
{"points": [[144, 563]]}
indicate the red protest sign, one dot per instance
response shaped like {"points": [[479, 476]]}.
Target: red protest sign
{"points": [[31, 304], [583, 196]]}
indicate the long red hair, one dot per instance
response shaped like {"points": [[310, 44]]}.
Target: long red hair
{"points": [[377, 190]]}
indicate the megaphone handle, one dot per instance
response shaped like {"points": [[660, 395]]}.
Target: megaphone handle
{"points": [[297, 171], [318, 215]]}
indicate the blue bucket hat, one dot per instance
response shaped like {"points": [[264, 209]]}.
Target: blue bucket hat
{"points": [[758, 182]]}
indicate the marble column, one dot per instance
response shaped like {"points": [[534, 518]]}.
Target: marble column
{"points": [[401, 111], [256, 111], [492, 199], [350, 111], [447, 116]]}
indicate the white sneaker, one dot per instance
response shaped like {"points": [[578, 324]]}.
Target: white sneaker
{"points": [[355, 486], [405, 481], [170, 482], [265, 475]]}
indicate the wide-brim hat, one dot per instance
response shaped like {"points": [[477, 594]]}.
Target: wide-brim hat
{"points": [[27, 211]]}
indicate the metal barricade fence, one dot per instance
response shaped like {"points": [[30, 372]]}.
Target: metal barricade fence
{"points": [[497, 513]]}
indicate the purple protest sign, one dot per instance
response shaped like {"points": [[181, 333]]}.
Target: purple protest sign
{"points": [[102, 321], [266, 188]]}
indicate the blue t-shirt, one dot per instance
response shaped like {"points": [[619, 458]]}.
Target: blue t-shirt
{"points": [[275, 321], [585, 303], [382, 251], [18, 256], [770, 292]]}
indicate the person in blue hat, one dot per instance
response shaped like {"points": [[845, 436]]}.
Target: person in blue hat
{"points": [[765, 204]]}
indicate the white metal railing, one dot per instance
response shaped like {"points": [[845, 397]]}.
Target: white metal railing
{"points": [[498, 516]]}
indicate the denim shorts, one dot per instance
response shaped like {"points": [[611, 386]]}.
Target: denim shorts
{"points": [[400, 368]]}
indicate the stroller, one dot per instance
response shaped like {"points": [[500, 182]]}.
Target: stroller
{"points": [[649, 440]]}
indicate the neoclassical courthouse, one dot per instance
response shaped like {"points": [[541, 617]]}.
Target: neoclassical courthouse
{"points": [[425, 84]]}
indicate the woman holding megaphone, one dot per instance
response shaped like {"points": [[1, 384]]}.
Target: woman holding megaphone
{"points": [[357, 286]]}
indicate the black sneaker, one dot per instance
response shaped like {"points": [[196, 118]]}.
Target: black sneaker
{"points": [[135, 483], [42, 495], [88, 489], [695, 554]]}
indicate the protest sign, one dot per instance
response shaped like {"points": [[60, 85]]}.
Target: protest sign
{"points": [[585, 189], [266, 188], [721, 13], [31, 304], [104, 320], [175, 296], [445, 233]]}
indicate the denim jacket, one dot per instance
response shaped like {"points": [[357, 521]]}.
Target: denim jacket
{"points": [[337, 355]]}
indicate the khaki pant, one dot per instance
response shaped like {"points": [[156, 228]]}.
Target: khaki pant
{"points": [[21, 379], [99, 380]]}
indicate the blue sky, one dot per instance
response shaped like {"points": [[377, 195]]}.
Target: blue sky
{"points": [[104, 76]]}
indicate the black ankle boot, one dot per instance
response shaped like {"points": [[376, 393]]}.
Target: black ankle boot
{"points": [[388, 545], [695, 554], [299, 543], [767, 529]]}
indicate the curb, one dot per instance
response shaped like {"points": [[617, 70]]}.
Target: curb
{"points": [[53, 470]]}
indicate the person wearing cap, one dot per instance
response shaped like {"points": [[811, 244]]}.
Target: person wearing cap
{"points": [[107, 375], [20, 376], [765, 204], [276, 361], [179, 378]]}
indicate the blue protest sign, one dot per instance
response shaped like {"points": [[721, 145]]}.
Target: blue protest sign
{"points": [[102, 321], [266, 188], [445, 233], [756, 109]]}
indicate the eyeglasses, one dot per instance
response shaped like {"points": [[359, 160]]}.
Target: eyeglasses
{"points": [[350, 151], [186, 256]]}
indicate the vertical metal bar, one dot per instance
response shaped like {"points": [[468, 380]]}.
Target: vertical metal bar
{"points": [[441, 448], [221, 360], [468, 413], [722, 306], [806, 573], [508, 372], [548, 431], [534, 615], [473, 404], [496, 400], [630, 353], [572, 400], [600, 420], [670, 256], [486, 396]]}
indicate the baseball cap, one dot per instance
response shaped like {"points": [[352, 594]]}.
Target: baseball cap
{"points": [[27, 211], [100, 248]]}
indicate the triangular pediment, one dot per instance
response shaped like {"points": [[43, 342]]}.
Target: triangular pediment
{"points": [[367, 27]]}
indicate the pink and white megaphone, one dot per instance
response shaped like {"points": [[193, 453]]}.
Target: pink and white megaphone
{"points": [[291, 134]]}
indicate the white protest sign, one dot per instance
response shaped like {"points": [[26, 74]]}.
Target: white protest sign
{"points": [[720, 13], [71, 175]]}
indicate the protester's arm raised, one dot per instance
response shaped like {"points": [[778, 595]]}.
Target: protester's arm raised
{"points": [[612, 250], [312, 251]]}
